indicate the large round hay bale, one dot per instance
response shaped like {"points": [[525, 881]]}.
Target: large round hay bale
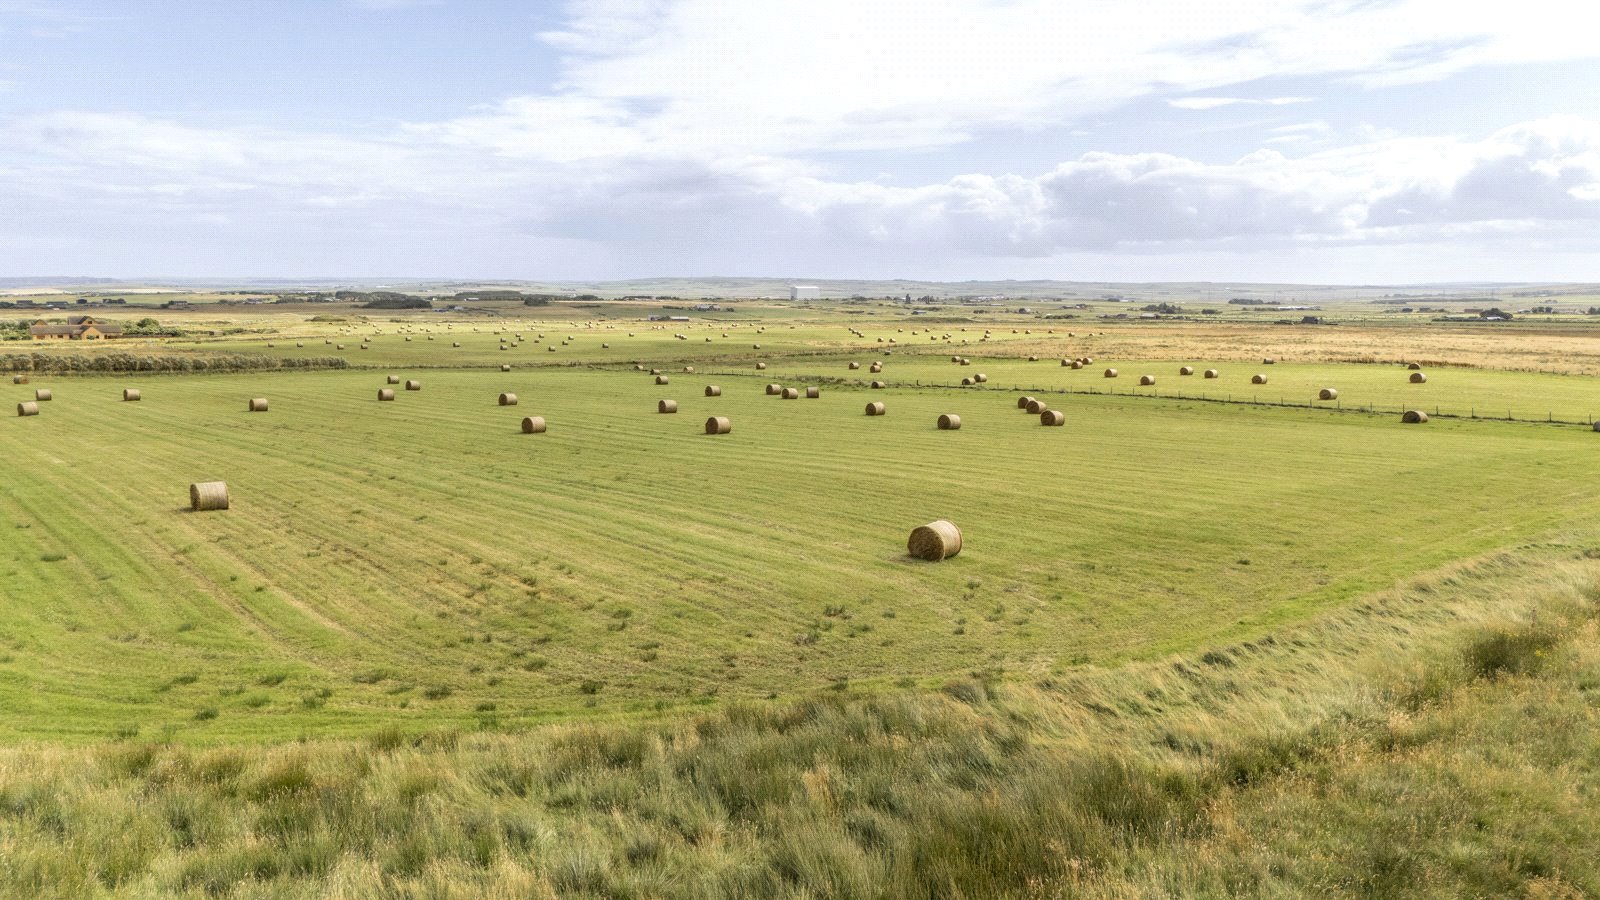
{"points": [[966, 382], [1052, 417], [666, 406], [774, 390], [1419, 378], [949, 422], [965, 361], [1186, 370], [19, 379], [385, 394], [854, 366], [1111, 373], [1415, 367], [533, 424], [1147, 380], [551, 348], [1022, 402], [1077, 364], [43, 395], [1597, 425], [1414, 417], [28, 408], [455, 343], [338, 347], [1328, 394], [605, 346], [875, 368], [1268, 361], [688, 370], [662, 379], [718, 425], [755, 346], [392, 379], [655, 371], [302, 343], [508, 399], [956, 360], [413, 385], [813, 393], [1033, 359], [876, 408], [1213, 373], [760, 366], [505, 367], [935, 541], [208, 495], [790, 394], [980, 378], [879, 385], [1035, 406], [258, 404], [713, 391], [1258, 378], [130, 394]]}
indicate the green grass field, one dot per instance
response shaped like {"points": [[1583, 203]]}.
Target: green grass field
{"points": [[1189, 647], [423, 562]]}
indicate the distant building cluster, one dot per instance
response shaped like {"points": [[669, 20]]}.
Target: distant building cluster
{"points": [[804, 292]]}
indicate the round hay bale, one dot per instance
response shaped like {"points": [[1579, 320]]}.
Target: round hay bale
{"points": [[854, 366], [1419, 378], [1186, 370], [662, 379], [688, 370], [666, 406], [713, 391], [1147, 380], [1077, 364], [43, 395], [1035, 406], [1033, 359], [208, 495], [980, 378], [533, 424], [760, 366], [1415, 367], [1213, 373], [875, 368], [965, 361], [1268, 361], [130, 394], [385, 394], [774, 390], [813, 393], [27, 408], [655, 371], [790, 394], [1414, 417], [413, 385], [605, 346], [506, 367], [392, 379], [949, 422], [966, 382], [258, 404], [302, 344], [455, 343], [338, 347], [1258, 378], [876, 408], [1111, 373], [935, 541], [508, 399], [551, 348], [1597, 425], [1052, 417], [1065, 363], [955, 359], [19, 379], [879, 385], [1022, 402], [718, 425], [1328, 394], [755, 346]]}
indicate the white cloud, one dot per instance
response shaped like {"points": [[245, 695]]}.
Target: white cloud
{"points": [[1214, 102]]}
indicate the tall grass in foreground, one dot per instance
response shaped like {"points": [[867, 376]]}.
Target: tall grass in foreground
{"points": [[1435, 739]]}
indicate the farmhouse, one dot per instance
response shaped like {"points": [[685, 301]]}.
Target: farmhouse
{"points": [[78, 328]]}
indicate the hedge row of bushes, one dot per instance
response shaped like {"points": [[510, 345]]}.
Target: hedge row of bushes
{"points": [[129, 362]]}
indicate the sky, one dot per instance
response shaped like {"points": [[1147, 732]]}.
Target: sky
{"points": [[1322, 141]]}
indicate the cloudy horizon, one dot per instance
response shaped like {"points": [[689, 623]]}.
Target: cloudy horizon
{"points": [[1318, 141]]}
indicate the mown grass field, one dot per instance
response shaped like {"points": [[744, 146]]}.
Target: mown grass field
{"points": [[1188, 648], [422, 561]]}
